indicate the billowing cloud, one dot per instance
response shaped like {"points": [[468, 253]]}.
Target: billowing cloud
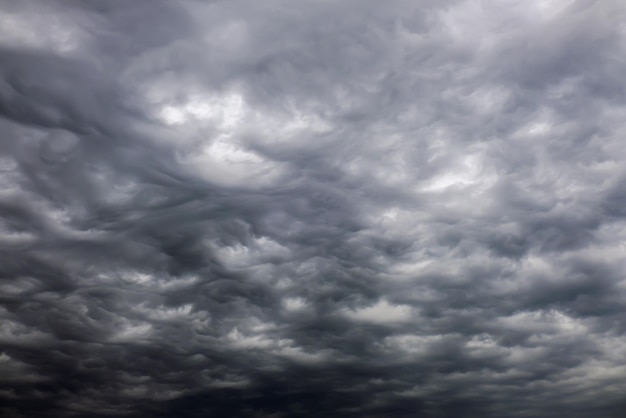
{"points": [[314, 208]]}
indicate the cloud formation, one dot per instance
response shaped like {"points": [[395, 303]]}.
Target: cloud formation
{"points": [[314, 208]]}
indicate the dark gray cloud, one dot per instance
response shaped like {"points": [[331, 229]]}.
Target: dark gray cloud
{"points": [[318, 208]]}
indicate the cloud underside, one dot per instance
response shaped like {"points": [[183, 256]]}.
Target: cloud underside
{"points": [[322, 208]]}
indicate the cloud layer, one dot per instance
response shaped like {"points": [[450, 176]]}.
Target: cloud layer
{"points": [[317, 208]]}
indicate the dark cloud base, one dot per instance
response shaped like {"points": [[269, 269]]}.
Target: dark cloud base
{"points": [[329, 208]]}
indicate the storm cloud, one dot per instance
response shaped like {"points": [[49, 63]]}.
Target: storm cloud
{"points": [[312, 208]]}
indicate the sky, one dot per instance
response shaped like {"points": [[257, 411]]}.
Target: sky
{"points": [[316, 208]]}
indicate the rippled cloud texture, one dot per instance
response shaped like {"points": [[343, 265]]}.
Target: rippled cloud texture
{"points": [[314, 208]]}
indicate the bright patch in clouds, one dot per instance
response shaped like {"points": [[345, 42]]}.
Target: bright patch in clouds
{"points": [[382, 312]]}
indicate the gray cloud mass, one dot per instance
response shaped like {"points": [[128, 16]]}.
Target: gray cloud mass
{"points": [[312, 209]]}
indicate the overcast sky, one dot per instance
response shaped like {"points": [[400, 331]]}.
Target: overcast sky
{"points": [[318, 208]]}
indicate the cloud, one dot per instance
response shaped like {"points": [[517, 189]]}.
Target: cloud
{"points": [[365, 209]]}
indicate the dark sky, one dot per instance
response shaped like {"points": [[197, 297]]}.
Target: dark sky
{"points": [[317, 208]]}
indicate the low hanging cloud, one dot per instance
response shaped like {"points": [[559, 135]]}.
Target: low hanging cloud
{"points": [[314, 208]]}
